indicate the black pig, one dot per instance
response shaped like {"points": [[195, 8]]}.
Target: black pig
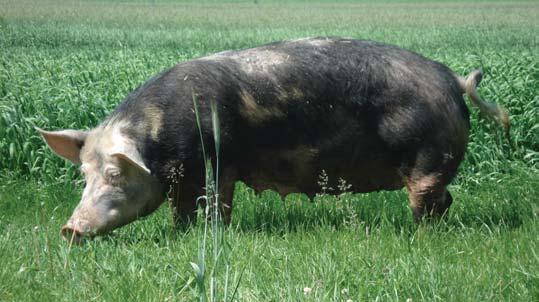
{"points": [[376, 115]]}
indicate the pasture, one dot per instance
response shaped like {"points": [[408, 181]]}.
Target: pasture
{"points": [[66, 64]]}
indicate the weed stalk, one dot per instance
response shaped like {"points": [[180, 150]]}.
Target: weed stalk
{"points": [[212, 214]]}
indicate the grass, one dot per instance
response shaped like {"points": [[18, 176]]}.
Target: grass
{"points": [[67, 64], [87, 56], [359, 247]]}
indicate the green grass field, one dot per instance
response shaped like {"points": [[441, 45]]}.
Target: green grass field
{"points": [[67, 64]]}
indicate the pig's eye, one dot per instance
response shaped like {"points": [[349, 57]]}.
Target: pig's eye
{"points": [[113, 176]]}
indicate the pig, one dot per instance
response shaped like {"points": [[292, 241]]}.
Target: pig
{"points": [[376, 115]]}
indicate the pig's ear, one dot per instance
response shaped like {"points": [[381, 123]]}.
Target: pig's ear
{"points": [[133, 159], [66, 143]]}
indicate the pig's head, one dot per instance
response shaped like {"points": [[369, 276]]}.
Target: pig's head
{"points": [[119, 187]]}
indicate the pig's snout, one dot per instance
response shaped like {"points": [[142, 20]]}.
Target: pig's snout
{"points": [[71, 235], [76, 231]]}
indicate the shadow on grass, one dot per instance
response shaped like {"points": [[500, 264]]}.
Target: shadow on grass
{"points": [[484, 205]]}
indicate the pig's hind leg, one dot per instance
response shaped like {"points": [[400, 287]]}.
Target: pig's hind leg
{"points": [[427, 184], [428, 196]]}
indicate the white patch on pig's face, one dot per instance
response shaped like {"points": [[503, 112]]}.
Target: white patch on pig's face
{"points": [[119, 187]]}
